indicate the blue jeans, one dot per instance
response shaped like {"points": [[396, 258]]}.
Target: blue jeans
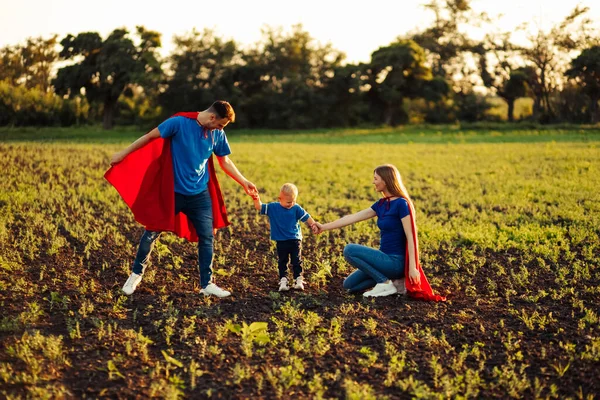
{"points": [[289, 250], [373, 266], [198, 209]]}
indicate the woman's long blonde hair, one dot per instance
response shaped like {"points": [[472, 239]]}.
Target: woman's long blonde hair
{"points": [[393, 181]]}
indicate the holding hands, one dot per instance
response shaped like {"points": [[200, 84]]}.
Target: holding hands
{"points": [[317, 228], [250, 189]]}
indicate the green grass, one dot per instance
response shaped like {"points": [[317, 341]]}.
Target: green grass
{"points": [[509, 228], [473, 133]]}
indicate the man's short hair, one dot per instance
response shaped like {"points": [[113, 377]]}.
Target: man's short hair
{"points": [[223, 110]]}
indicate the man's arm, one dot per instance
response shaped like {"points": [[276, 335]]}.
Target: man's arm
{"points": [[230, 169], [140, 142]]}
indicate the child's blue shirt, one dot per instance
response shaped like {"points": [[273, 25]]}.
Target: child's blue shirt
{"points": [[284, 222]]}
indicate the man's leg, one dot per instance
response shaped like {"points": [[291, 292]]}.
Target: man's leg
{"points": [[198, 209], [144, 249], [141, 261]]}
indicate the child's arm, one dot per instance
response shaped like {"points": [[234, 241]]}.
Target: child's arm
{"points": [[257, 202], [310, 223]]}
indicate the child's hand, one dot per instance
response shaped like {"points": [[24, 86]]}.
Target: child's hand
{"points": [[317, 228]]}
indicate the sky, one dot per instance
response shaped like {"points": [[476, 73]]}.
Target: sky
{"points": [[355, 27]]}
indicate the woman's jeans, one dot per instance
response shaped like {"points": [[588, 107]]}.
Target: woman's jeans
{"points": [[198, 209], [373, 266]]}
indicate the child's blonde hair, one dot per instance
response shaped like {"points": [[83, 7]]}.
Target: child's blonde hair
{"points": [[289, 188]]}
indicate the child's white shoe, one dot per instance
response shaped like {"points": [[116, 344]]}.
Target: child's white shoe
{"points": [[283, 285], [299, 285]]}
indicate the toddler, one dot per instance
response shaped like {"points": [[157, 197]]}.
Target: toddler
{"points": [[285, 230]]}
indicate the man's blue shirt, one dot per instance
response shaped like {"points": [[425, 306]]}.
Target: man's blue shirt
{"points": [[284, 221], [190, 150]]}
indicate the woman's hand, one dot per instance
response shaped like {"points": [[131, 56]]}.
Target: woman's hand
{"points": [[414, 276]]}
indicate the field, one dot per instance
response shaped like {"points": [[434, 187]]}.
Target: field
{"points": [[509, 229]]}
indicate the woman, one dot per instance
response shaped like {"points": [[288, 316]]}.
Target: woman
{"points": [[385, 270]]}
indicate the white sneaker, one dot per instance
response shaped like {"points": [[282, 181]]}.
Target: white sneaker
{"points": [[132, 282], [213, 289], [400, 285], [283, 285], [381, 289], [299, 285]]}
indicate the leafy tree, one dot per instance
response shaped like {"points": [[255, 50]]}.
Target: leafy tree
{"points": [[445, 43], [472, 107], [29, 64], [507, 81], [284, 80], [12, 68], [572, 104], [105, 68], [200, 71], [396, 72], [342, 95], [548, 55], [449, 52], [585, 69]]}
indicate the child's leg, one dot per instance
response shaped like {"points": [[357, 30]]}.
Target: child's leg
{"points": [[296, 256], [283, 256]]}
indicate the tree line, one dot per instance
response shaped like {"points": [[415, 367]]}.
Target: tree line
{"points": [[287, 81]]}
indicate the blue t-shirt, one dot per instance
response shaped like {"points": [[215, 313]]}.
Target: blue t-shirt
{"points": [[190, 150], [284, 221], [389, 216]]}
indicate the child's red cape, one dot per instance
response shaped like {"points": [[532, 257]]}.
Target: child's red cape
{"points": [[144, 179], [422, 291]]}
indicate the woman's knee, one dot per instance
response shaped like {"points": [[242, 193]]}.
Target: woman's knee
{"points": [[350, 250], [348, 284]]}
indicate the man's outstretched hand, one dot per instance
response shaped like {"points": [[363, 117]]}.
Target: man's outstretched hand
{"points": [[117, 158], [250, 189]]}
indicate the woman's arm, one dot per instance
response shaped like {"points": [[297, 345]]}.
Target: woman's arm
{"points": [[347, 220], [413, 273]]}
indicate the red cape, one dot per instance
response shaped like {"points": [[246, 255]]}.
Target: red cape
{"points": [[423, 290], [144, 179]]}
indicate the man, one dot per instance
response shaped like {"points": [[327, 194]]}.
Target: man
{"points": [[190, 140]]}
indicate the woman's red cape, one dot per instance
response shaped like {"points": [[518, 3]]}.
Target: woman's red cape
{"points": [[144, 179], [422, 291]]}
